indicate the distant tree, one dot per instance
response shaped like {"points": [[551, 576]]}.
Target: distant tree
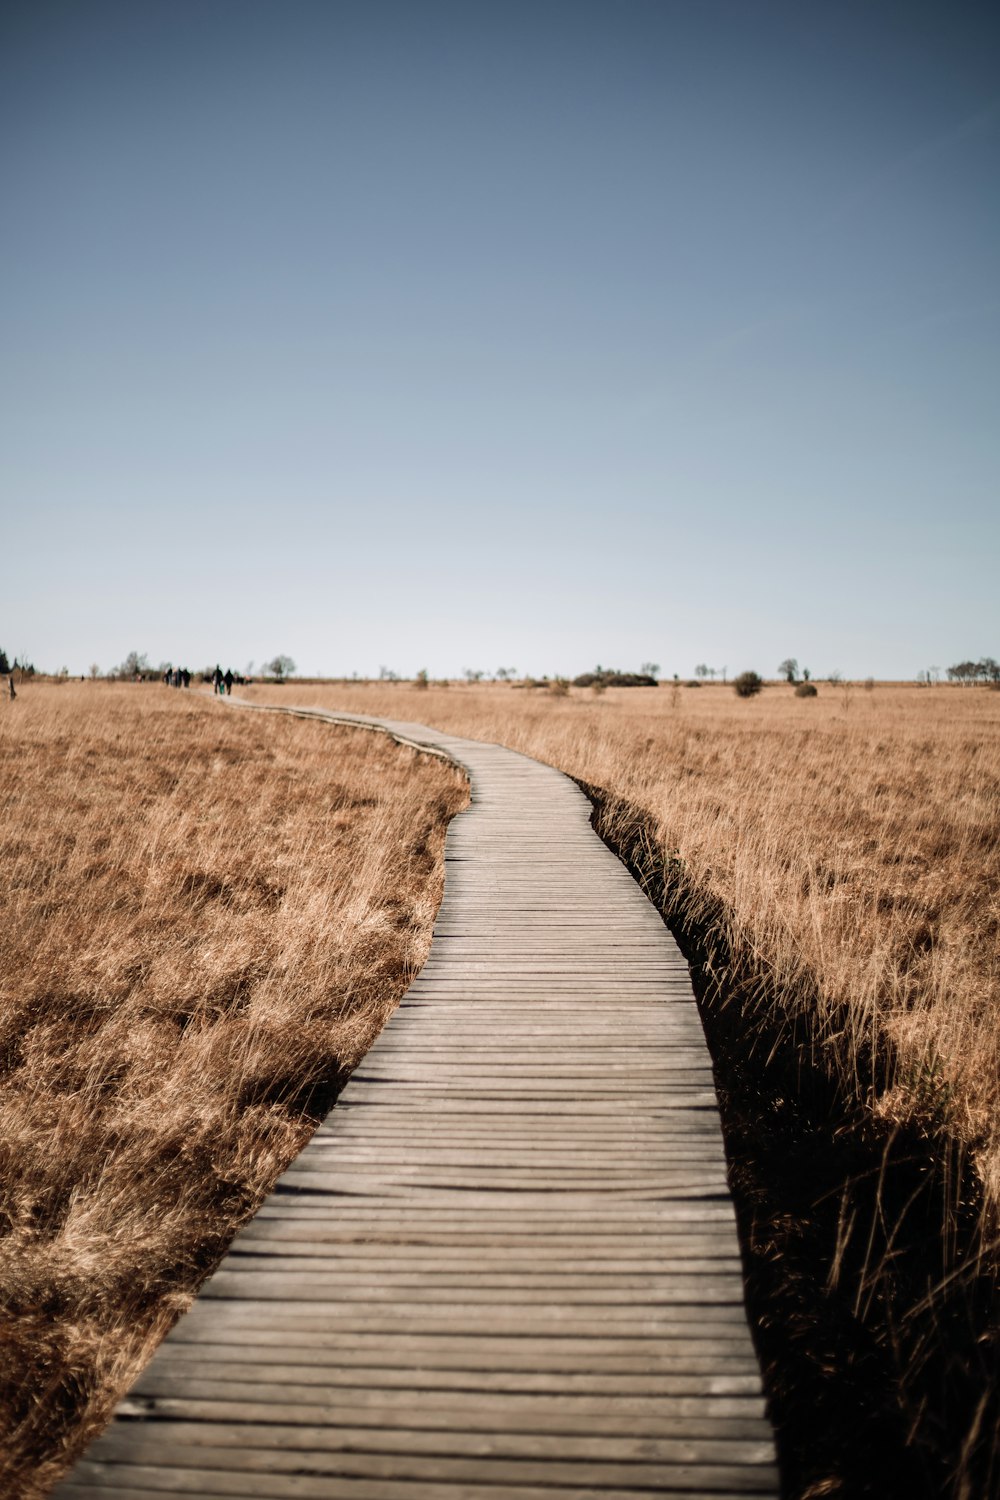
{"points": [[95, 671], [701, 670], [834, 677], [789, 668], [472, 674], [136, 664], [386, 674], [983, 670], [421, 680], [4, 663], [280, 667], [650, 669], [506, 674], [747, 684], [806, 674]]}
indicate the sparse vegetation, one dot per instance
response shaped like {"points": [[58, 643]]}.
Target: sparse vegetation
{"points": [[208, 915], [806, 690]]}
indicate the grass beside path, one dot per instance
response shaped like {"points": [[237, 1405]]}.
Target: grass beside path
{"points": [[208, 916]]}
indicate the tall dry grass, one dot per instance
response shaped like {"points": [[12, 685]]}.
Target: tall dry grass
{"points": [[207, 918]]}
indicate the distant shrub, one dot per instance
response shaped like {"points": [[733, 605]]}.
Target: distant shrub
{"points": [[558, 687], [693, 683], [747, 684], [806, 690], [422, 681], [614, 679]]}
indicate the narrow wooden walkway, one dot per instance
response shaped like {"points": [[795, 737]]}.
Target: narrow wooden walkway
{"points": [[505, 1267]]}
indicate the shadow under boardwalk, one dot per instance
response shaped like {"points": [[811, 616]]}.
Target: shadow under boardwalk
{"points": [[505, 1267]]}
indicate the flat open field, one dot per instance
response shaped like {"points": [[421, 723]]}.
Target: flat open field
{"points": [[207, 917]]}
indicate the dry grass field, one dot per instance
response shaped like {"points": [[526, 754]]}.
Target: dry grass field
{"points": [[209, 914], [207, 918], [839, 857]]}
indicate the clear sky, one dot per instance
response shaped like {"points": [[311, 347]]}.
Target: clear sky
{"points": [[500, 332]]}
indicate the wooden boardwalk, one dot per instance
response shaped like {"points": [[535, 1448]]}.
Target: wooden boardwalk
{"points": [[505, 1267]]}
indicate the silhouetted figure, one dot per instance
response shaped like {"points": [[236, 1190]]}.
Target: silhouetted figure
{"points": [[10, 684], [217, 679], [186, 677], [166, 677], [228, 680], [176, 677]]}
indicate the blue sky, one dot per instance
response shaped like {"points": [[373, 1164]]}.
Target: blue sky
{"points": [[480, 334]]}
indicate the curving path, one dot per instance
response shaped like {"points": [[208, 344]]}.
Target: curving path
{"points": [[505, 1267]]}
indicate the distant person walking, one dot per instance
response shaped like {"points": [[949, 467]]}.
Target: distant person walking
{"points": [[217, 679], [10, 684], [228, 680], [186, 677]]}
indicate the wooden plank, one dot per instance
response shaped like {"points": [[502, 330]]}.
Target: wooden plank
{"points": [[236, 1471], [472, 1373], [131, 1442], [96, 1481]]}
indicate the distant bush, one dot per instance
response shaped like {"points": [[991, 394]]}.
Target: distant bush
{"points": [[806, 690], [693, 683], [558, 687], [614, 679], [747, 684]]}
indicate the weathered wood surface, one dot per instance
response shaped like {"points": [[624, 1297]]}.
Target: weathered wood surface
{"points": [[506, 1265]]}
